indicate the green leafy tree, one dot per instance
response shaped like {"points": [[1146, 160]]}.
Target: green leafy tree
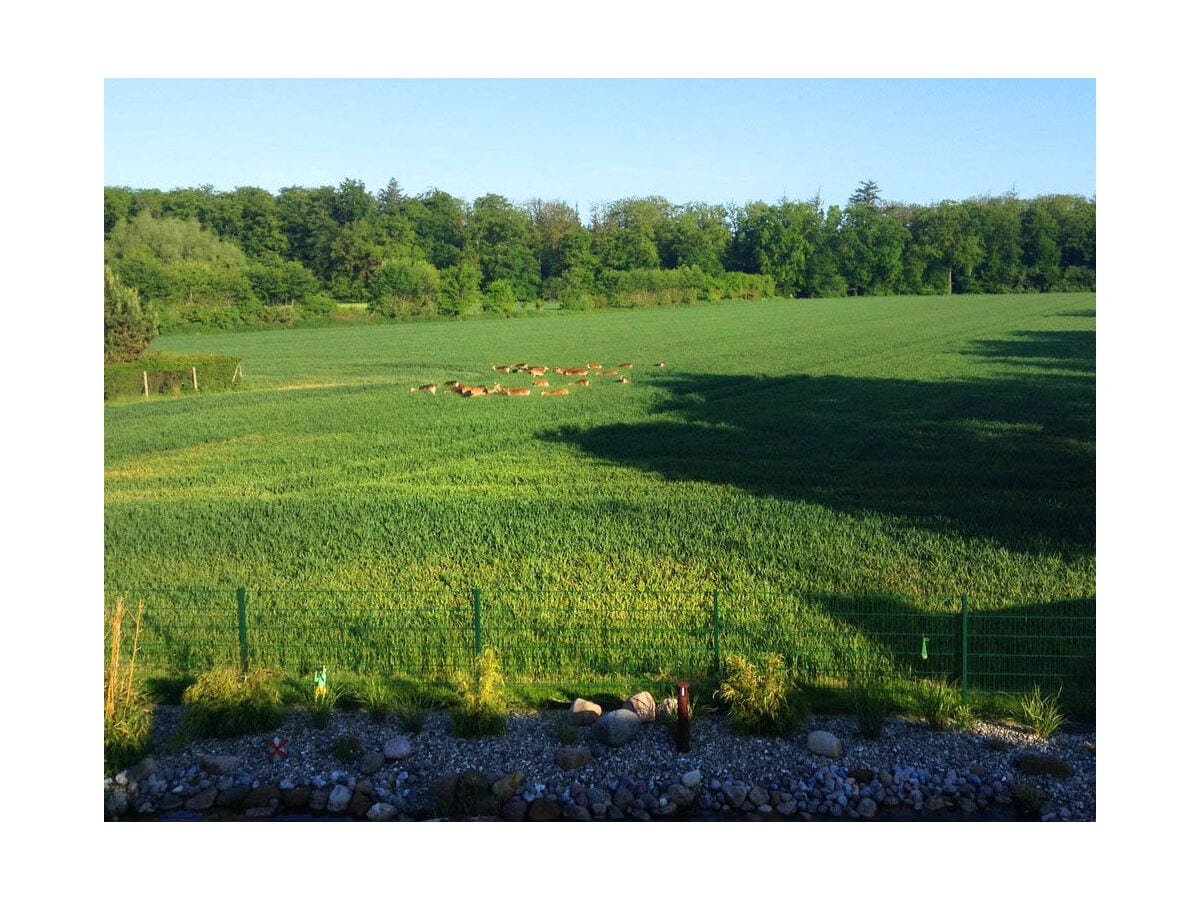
{"points": [[459, 288], [404, 287], [499, 297], [129, 326]]}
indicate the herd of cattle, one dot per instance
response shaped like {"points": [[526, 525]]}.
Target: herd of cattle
{"points": [[538, 374]]}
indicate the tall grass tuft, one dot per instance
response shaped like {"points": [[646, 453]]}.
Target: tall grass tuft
{"points": [[761, 702], [224, 702], [480, 711], [376, 698], [127, 713], [1041, 714], [321, 705], [936, 702], [871, 708]]}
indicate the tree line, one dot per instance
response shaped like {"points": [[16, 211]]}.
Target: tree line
{"points": [[220, 258]]}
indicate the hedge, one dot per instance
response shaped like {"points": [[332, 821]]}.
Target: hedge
{"points": [[171, 373]]}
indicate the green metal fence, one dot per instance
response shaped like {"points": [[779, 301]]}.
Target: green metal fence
{"points": [[582, 638]]}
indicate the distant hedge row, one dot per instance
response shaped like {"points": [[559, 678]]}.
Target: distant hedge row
{"points": [[171, 373], [664, 287]]}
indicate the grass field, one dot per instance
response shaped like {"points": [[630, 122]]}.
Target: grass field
{"points": [[913, 446]]}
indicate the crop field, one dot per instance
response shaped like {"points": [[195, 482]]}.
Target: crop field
{"points": [[913, 447]]}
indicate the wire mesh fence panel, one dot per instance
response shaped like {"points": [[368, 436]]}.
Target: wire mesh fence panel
{"points": [[596, 638], [831, 641], [425, 634], [837, 641], [183, 630], [1050, 645]]}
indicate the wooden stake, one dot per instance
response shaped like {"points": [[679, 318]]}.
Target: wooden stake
{"points": [[195, 384], [145, 384]]}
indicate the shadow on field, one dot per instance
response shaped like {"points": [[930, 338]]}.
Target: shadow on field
{"points": [[1073, 351], [1010, 459], [1010, 648]]}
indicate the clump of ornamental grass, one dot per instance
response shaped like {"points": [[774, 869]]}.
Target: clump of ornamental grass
{"points": [[761, 701], [1041, 714], [322, 703], [872, 705], [346, 749], [127, 713], [480, 711], [565, 730], [225, 702], [376, 698], [936, 702]]}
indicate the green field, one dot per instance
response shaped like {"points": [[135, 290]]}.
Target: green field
{"points": [[917, 446]]}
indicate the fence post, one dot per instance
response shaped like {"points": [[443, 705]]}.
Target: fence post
{"points": [[965, 606], [476, 596], [716, 626], [243, 632]]}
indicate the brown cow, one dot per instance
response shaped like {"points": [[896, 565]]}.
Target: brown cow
{"points": [[432, 388], [541, 382], [609, 372], [574, 371], [626, 365], [582, 382], [517, 392], [594, 366], [622, 380], [660, 364], [557, 392], [538, 371]]}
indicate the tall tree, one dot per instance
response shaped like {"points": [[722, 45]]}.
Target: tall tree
{"points": [[129, 325]]}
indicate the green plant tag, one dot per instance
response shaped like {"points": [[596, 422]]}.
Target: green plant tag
{"points": [[924, 647]]}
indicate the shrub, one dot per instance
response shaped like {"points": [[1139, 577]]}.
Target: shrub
{"points": [[936, 701], [481, 699], [871, 708], [171, 373], [1042, 715], [760, 702], [376, 698], [1028, 799], [226, 703], [346, 749], [412, 720], [129, 325], [127, 713], [321, 705]]}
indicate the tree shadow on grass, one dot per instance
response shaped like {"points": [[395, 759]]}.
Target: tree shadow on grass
{"points": [[1010, 459], [1070, 351]]}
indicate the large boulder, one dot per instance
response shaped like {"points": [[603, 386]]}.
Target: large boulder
{"points": [[643, 704], [617, 727], [220, 765], [339, 799], [824, 743], [506, 787], [585, 712]]}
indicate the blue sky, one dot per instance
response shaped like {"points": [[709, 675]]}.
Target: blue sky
{"points": [[587, 141]]}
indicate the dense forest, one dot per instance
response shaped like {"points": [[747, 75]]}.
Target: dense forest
{"points": [[201, 257]]}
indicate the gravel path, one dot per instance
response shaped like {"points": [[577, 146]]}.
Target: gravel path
{"points": [[911, 772]]}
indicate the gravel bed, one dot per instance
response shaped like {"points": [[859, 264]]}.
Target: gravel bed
{"points": [[911, 772]]}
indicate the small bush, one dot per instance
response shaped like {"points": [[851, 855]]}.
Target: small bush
{"points": [[871, 708], [346, 749], [376, 698], [412, 720], [963, 717], [1027, 799], [1042, 715], [225, 703], [481, 699], [760, 702], [321, 705], [936, 702]]}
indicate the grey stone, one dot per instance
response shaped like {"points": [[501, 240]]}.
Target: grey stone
{"points": [[319, 801], [618, 727], [573, 757], [585, 712], [824, 743], [506, 787], [339, 799], [381, 812], [642, 704], [735, 793], [543, 810], [758, 796], [371, 762], [220, 765], [691, 779], [397, 748], [680, 795], [514, 810], [866, 807], [202, 801]]}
